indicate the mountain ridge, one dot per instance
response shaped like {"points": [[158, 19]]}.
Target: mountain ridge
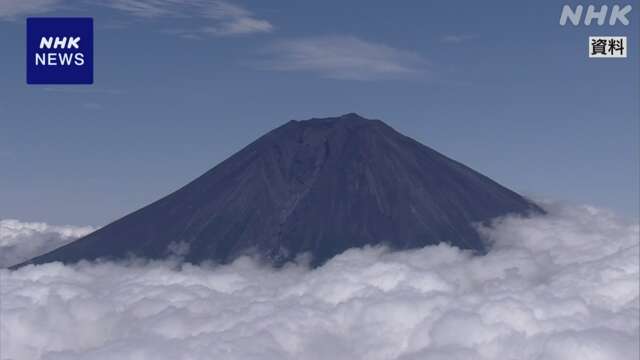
{"points": [[317, 186]]}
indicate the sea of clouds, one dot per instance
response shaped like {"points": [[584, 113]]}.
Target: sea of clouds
{"points": [[20, 241], [559, 286]]}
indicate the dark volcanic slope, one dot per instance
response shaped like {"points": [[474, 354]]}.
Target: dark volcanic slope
{"points": [[319, 186]]}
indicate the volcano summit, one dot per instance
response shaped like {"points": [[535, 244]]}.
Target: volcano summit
{"points": [[318, 186]]}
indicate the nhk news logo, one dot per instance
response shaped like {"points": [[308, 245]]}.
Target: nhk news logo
{"points": [[59, 50]]}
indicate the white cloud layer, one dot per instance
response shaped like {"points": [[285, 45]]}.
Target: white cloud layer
{"points": [[562, 286], [346, 57], [20, 241]]}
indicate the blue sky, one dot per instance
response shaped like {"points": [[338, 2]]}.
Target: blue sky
{"points": [[181, 85]]}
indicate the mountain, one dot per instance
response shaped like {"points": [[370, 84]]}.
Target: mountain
{"points": [[318, 186]]}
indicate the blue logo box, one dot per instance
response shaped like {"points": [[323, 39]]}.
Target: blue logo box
{"points": [[59, 50]]}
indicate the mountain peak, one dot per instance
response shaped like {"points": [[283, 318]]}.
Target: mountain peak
{"points": [[336, 120], [352, 116], [317, 187]]}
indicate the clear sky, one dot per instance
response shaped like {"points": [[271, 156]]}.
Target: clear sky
{"points": [[181, 85]]}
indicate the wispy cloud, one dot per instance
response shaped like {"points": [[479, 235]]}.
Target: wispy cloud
{"points": [[11, 9], [218, 18], [205, 17], [457, 38], [345, 57]]}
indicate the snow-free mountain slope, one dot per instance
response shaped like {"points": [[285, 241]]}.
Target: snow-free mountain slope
{"points": [[318, 186]]}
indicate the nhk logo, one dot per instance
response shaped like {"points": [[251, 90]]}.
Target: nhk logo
{"points": [[59, 50], [617, 14], [57, 58]]}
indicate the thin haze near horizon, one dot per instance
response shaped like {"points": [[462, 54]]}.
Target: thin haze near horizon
{"points": [[503, 89]]}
